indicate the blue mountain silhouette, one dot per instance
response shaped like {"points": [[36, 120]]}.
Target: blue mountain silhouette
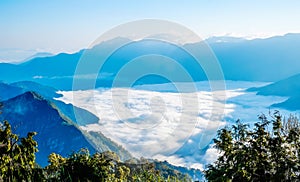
{"points": [[269, 59]]}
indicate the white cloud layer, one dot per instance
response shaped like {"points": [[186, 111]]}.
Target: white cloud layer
{"points": [[155, 121]]}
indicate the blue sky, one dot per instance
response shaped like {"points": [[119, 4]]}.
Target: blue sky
{"points": [[56, 25]]}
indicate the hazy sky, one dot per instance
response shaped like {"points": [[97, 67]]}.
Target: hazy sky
{"points": [[57, 25]]}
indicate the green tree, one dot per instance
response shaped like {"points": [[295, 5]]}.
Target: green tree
{"points": [[263, 153], [82, 166], [17, 156], [106, 166]]}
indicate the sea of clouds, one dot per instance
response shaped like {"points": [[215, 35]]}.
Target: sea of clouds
{"points": [[156, 121]]}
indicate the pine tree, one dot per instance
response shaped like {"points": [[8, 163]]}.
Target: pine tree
{"points": [[260, 154]]}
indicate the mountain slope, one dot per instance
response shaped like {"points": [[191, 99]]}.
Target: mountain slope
{"points": [[82, 116], [45, 91], [12, 90], [38, 55], [286, 87], [30, 112], [289, 87], [292, 104], [8, 91]]}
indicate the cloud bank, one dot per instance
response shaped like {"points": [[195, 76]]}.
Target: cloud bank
{"points": [[157, 122]]}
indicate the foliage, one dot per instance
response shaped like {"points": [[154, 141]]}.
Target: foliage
{"points": [[268, 152], [106, 166], [17, 163], [81, 166], [17, 156], [146, 170]]}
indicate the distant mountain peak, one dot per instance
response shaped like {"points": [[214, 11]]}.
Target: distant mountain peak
{"points": [[110, 42], [38, 55], [31, 95], [224, 39]]}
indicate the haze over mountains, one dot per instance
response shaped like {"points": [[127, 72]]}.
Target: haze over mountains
{"points": [[270, 60], [29, 88]]}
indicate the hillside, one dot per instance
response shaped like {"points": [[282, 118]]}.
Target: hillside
{"points": [[8, 91], [288, 87], [285, 87], [31, 112], [291, 103], [82, 117]]}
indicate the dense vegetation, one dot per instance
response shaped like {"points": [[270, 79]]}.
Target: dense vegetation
{"points": [[268, 152], [17, 163], [17, 157]]}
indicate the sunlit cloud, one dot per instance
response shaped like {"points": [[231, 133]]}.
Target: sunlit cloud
{"points": [[146, 119]]}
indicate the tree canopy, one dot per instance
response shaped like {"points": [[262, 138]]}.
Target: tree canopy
{"points": [[268, 152], [17, 156]]}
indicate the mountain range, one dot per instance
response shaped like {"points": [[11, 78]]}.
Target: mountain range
{"points": [[270, 59], [267, 60]]}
